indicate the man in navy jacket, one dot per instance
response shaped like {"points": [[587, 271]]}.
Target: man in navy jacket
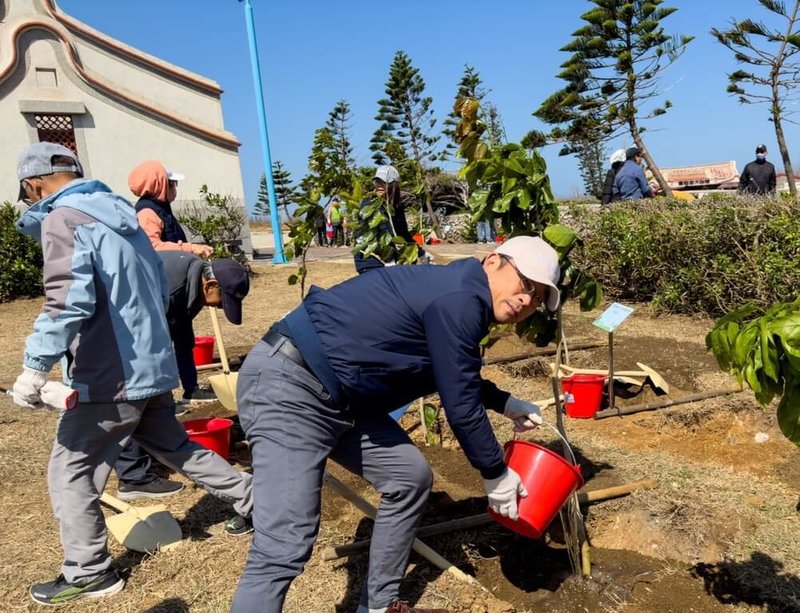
{"points": [[630, 182], [322, 381]]}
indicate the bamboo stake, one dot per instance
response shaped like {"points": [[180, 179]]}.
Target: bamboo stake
{"points": [[481, 519], [540, 351], [652, 406], [421, 548]]}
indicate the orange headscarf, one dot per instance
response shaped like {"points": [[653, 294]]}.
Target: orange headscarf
{"points": [[149, 180]]}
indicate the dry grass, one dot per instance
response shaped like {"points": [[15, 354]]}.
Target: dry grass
{"points": [[724, 506]]}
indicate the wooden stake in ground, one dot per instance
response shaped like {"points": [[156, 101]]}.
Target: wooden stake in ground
{"points": [[475, 521], [652, 406], [421, 548]]}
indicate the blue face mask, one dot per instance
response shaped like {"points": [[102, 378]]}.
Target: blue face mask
{"points": [[761, 156]]}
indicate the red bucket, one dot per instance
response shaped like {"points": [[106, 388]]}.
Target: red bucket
{"points": [[583, 394], [549, 479], [213, 433], [203, 351]]}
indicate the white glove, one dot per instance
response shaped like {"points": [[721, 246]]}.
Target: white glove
{"points": [[502, 493], [525, 415], [27, 387]]}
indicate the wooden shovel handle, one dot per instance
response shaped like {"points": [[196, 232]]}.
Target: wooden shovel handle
{"points": [[223, 355], [114, 503]]}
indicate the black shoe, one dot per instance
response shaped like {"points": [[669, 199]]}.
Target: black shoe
{"points": [[239, 526], [157, 488], [199, 395], [60, 591]]}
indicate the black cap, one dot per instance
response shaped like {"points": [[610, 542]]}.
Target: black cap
{"points": [[235, 284], [633, 152], [761, 149]]}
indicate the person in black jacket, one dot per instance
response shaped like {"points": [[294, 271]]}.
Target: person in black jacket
{"points": [[758, 176], [387, 191], [194, 283], [617, 160], [322, 381]]}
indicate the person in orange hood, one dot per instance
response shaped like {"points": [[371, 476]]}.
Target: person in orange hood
{"points": [[156, 188]]}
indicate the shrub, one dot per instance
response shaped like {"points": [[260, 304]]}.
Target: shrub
{"points": [[21, 271], [710, 256], [219, 221]]}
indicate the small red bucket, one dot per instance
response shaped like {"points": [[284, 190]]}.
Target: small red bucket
{"points": [[213, 433], [203, 351], [583, 394], [549, 479]]}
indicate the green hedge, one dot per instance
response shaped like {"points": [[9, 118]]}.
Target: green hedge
{"points": [[20, 257], [708, 256]]}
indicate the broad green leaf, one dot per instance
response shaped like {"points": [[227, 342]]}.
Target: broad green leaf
{"points": [[789, 413], [561, 237]]}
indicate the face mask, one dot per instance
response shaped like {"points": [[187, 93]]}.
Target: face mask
{"points": [[761, 156]]}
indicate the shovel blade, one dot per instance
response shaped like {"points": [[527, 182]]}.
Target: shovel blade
{"points": [[144, 529], [224, 387]]}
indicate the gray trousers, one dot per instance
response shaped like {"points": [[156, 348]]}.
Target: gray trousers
{"points": [[293, 428], [88, 440]]}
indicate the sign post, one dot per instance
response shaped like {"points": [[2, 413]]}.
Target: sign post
{"points": [[609, 321]]}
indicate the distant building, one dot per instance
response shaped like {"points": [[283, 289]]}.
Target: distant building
{"points": [[702, 178], [114, 105]]}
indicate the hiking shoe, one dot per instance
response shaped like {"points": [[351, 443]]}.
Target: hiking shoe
{"points": [[157, 488], [199, 395], [401, 606], [239, 525], [60, 591]]}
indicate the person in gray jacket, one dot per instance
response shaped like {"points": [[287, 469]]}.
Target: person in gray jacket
{"points": [[104, 319], [193, 284]]}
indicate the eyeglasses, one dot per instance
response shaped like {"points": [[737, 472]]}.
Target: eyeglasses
{"points": [[528, 286]]}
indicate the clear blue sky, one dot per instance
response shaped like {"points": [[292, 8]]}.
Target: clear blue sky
{"points": [[315, 52]]}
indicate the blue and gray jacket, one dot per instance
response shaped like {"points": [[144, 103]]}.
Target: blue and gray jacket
{"points": [[398, 333], [106, 295]]}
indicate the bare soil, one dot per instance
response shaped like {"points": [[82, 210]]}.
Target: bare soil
{"points": [[718, 533]]}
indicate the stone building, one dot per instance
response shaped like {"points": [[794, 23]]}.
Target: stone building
{"points": [[115, 106]]}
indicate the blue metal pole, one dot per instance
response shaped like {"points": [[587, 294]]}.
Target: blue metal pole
{"points": [[279, 257]]}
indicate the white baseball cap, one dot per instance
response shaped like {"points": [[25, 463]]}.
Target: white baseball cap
{"points": [[617, 156], [387, 174], [537, 261], [174, 176]]}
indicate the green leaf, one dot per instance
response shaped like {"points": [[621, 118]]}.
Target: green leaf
{"points": [[789, 412], [561, 237], [294, 279]]}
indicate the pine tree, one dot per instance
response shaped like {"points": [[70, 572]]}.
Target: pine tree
{"points": [[591, 160], [613, 74], [338, 124], [769, 54], [406, 116], [495, 130], [331, 164], [404, 137], [285, 192]]}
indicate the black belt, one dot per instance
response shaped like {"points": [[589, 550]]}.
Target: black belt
{"points": [[285, 346]]}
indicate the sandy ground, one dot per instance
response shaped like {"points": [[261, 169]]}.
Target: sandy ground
{"points": [[718, 532]]}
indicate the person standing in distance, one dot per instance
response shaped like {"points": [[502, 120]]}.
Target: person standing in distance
{"points": [[758, 177]]}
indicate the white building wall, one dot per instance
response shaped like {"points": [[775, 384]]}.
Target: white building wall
{"points": [[112, 136]]}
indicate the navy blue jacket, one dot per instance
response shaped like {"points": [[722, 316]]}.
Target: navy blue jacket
{"points": [[403, 332], [172, 232], [630, 183]]}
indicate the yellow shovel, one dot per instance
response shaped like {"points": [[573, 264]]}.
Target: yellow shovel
{"points": [[144, 529], [224, 385]]}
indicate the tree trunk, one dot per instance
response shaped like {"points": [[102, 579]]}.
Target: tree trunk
{"points": [[787, 162], [637, 138]]}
